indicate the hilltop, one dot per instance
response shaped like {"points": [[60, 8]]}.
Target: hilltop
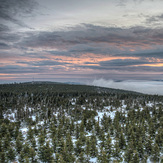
{"points": [[60, 87]]}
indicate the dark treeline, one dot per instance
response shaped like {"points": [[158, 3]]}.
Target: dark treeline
{"points": [[52, 122]]}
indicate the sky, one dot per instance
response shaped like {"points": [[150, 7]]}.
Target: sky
{"points": [[81, 41]]}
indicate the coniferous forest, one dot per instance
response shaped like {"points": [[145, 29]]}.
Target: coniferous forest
{"points": [[45, 122]]}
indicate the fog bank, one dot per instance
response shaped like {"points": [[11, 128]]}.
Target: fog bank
{"points": [[148, 87]]}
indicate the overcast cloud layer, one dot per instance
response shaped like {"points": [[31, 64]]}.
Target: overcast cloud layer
{"points": [[81, 41]]}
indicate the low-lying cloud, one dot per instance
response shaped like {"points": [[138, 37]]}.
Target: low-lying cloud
{"points": [[148, 87]]}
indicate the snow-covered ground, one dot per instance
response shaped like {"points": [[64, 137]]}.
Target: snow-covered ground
{"points": [[109, 111]]}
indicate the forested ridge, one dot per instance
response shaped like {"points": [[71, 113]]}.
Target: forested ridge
{"points": [[52, 122]]}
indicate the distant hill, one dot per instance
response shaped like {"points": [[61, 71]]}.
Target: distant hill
{"points": [[45, 86]]}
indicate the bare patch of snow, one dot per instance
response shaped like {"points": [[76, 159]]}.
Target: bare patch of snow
{"points": [[93, 160]]}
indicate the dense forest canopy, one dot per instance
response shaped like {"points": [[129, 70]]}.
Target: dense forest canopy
{"points": [[54, 122]]}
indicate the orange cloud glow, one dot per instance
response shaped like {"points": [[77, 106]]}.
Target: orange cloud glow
{"points": [[89, 57], [153, 65]]}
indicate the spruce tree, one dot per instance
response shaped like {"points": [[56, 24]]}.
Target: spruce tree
{"points": [[66, 156], [41, 139], [102, 157], [26, 149], [19, 145], [21, 157], [32, 155], [33, 143], [148, 145], [135, 157], [69, 143], [155, 153], [78, 148], [122, 142], [30, 133], [61, 145], [54, 143], [77, 132], [140, 148], [87, 148], [129, 152], [6, 142], [116, 151], [81, 157], [108, 146], [11, 154], [3, 157], [53, 130], [93, 148], [60, 159], [46, 153], [103, 139], [26, 159], [159, 137]]}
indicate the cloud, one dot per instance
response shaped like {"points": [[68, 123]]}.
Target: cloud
{"points": [[4, 28], [13, 10], [43, 63], [33, 55], [10, 37], [59, 40], [16, 69], [118, 50], [98, 40], [144, 55], [124, 62], [155, 19], [149, 87], [3, 46], [125, 65], [136, 49], [125, 69], [123, 3], [7, 36]]}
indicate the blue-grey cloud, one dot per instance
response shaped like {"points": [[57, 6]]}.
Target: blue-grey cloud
{"points": [[124, 62], [15, 69], [12, 10], [97, 40], [154, 19], [10, 37], [43, 63], [3, 46], [125, 68], [144, 55], [4, 28], [128, 65]]}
